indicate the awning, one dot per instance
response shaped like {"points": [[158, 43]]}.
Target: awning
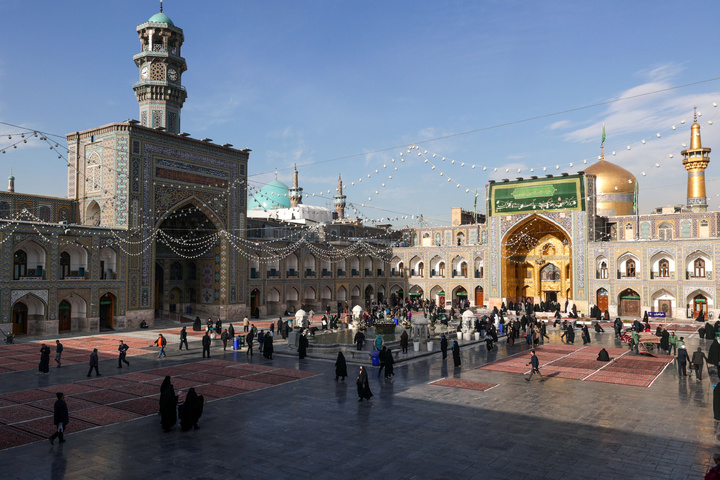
{"points": [[630, 298], [461, 294], [441, 293], [413, 294]]}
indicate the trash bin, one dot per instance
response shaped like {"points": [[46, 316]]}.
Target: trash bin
{"points": [[376, 358], [236, 343], [500, 328], [395, 320]]}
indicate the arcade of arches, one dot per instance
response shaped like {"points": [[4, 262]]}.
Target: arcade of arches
{"points": [[537, 262]]}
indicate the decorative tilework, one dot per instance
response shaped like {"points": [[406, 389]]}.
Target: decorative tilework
{"points": [[121, 197]]}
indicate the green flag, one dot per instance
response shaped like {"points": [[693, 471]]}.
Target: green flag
{"points": [[603, 137]]}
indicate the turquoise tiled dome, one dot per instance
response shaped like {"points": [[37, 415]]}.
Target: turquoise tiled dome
{"points": [[161, 18]]}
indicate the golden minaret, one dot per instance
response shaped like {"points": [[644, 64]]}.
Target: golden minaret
{"points": [[695, 160]]}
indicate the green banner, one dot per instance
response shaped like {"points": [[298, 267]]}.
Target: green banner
{"points": [[538, 195]]}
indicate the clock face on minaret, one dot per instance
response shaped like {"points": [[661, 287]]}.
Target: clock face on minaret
{"points": [[159, 91]]}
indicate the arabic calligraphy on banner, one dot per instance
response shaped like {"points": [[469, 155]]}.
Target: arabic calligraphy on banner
{"points": [[538, 195]]}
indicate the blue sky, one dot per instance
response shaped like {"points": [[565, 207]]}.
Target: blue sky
{"points": [[311, 82]]}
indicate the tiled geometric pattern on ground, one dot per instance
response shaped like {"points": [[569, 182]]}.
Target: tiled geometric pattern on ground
{"points": [[26, 416], [468, 385], [580, 363]]}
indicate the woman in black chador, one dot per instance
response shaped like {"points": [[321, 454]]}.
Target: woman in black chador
{"points": [[197, 324], [44, 366], [389, 362], [268, 346], [168, 405], [340, 367], [303, 343], [443, 345], [363, 385], [191, 410], [456, 353]]}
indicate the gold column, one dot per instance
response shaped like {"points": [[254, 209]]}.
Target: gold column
{"points": [[696, 160]]}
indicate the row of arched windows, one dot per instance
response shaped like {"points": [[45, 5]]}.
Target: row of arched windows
{"points": [[697, 265]]}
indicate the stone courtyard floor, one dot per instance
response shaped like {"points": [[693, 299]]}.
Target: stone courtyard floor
{"points": [[287, 418]]}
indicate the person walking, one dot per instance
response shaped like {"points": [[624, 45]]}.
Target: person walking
{"points": [[58, 352], [381, 356], [231, 332], [404, 341], [697, 361], [534, 366], [456, 353], [44, 366], [161, 342], [94, 362], [191, 410], [206, 344], [168, 405], [682, 360], [261, 340], [246, 324], [443, 345], [303, 343], [340, 367], [122, 348], [672, 344], [183, 338], [268, 346], [224, 337], [363, 385], [60, 418], [249, 340]]}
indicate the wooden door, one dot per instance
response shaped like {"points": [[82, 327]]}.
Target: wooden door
{"points": [[602, 302], [20, 314], [65, 315], [665, 306], [630, 307], [479, 297]]}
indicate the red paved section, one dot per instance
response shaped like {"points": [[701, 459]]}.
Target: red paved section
{"points": [[15, 358], [451, 382], [26, 416], [580, 363]]}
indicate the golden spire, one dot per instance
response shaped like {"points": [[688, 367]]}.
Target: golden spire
{"points": [[696, 160]]}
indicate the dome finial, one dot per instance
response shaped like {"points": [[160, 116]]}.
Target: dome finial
{"points": [[694, 114], [161, 6]]}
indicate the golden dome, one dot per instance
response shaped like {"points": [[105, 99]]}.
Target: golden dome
{"points": [[615, 188]]}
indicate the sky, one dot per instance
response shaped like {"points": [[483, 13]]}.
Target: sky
{"points": [[350, 88]]}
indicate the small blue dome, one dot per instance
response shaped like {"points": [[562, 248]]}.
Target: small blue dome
{"points": [[271, 196], [161, 18]]}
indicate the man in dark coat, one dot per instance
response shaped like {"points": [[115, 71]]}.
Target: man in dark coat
{"points": [[60, 418], [618, 325], [224, 337], [381, 356], [249, 339], [340, 367], [534, 366], [698, 358], [206, 344], [682, 360], [404, 341], [58, 352], [94, 362], [122, 348], [183, 338], [443, 345], [359, 340]]}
